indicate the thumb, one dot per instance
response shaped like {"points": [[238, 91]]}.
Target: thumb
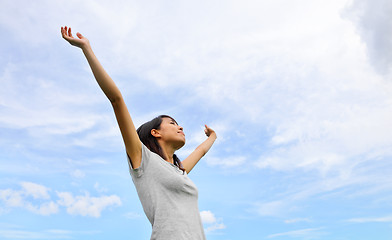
{"points": [[79, 35]]}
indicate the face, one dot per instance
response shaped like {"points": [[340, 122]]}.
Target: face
{"points": [[170, 131]]}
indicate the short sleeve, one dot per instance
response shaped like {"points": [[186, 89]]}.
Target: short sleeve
{"points": [[138, 172]]}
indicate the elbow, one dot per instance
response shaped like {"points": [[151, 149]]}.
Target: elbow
{"points": [[116, 100]]}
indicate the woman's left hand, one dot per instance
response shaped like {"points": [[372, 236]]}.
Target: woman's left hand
{"points": [[80, 42], [209, 131]]}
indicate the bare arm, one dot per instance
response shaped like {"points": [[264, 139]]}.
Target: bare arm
{"points": [[128, 131], [200, 151]]}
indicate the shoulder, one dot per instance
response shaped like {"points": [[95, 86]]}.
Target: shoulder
{"points": [[149, 159]]}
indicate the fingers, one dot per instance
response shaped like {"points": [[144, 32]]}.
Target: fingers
{"points": [[62, 31], [66, 32], [79, 41], [69, 32], [207, 130]]}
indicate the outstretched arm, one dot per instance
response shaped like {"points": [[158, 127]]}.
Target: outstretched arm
{"points": [[200, 151], [131, 139]]}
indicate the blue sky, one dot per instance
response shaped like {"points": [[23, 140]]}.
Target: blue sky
{"points": [[299, 93]]}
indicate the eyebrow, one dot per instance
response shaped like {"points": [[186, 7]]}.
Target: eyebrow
{"points": [[172, 120]]}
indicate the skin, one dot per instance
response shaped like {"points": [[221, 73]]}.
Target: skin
{"points": [[170, 135]]}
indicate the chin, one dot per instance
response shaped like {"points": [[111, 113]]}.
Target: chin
{"points": [[180, 144]]}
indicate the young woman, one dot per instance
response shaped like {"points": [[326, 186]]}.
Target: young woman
{"points": [[168, 196]]}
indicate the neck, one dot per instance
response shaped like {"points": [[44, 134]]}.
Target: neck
{"points": [[168, 151]]}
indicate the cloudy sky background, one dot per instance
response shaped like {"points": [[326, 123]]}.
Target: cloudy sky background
{"points": [[299, 92]]}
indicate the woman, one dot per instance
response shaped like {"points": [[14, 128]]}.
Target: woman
{"points": [[168, 196]]}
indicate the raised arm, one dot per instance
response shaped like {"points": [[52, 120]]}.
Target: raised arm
{"points": [[132, 142], [200, 151]]}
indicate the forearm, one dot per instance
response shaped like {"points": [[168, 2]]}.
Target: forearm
{"points": [[199, 152], [101, 76], [205, 146]]}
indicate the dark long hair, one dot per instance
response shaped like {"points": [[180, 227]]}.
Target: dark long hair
{"points": [[144, 132]]}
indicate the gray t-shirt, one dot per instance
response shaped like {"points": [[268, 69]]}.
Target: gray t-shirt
{"points": [[168, 197]]}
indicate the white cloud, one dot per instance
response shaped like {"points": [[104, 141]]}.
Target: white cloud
{"points": [[374, 23], [42, 203], [11, 198], [66, 198], [20, 198], [87, 205], [212, 224], [37, 191], [214, 227], [207, 217], [46, 208]]}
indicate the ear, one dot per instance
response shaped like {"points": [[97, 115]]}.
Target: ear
{"points": [[155, 133]]}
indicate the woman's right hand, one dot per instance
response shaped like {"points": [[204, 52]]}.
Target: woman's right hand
{"points": [[80, 42]]}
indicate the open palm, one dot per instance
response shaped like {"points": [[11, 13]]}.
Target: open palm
{"points": [[78, 42]]}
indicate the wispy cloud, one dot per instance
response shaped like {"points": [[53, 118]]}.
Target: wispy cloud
{"points": [[309, 233], [386, 219], [228, 162], [272, 208], [17, 233], [297, 220], [132, 215], [23, 234]]}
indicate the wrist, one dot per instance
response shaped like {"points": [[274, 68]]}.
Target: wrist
{"points": [[213, 136], [87, 50], [85, 47]]}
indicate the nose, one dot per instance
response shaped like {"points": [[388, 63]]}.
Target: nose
{"points": [[181, 128]]}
